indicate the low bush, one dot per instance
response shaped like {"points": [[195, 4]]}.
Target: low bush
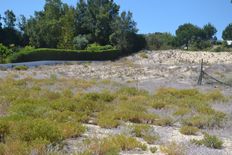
{"points": [[145, 131], [173, 149], [62, 54], [189, 130], [21, 68], [153, 149], [209, 141], [113, 145], [164, 122]]}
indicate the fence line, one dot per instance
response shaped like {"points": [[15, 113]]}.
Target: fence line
{"points": [[203, 74]]}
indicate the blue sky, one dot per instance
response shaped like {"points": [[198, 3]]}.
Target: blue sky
{"points": [[152, 15]]}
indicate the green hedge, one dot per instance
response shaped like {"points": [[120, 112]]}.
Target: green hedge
{"points": [[62, 54]]}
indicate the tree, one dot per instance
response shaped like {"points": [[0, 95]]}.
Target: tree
{"points": [[124, 36], [209, 32], [187, 33], [227, 33], [22, 22], [44, 30], [9, 19], [0, 22], [158, 41], [68, 30]]}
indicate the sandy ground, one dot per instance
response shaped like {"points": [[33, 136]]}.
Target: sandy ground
{"points": [[178, 69]]}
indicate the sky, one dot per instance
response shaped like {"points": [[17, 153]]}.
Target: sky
{"points": [[151, 15]]}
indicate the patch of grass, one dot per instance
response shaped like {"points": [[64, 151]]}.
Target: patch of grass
{"points": [[205, 121], [164, 122], [173, 149], [113, 145], [189, 130], [143, 55], [209, 141], [21, 68], [145, 131]]}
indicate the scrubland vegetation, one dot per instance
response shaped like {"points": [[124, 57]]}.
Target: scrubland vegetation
{"points": [[36, 117]]}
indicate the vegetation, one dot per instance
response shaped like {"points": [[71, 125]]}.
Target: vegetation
{"points": [[61, 54], [21, 68], [113, 145], [209, 141], [173, 149], [227, 33], [145, 132], [189, 130], [37, 116], [160, 41]]}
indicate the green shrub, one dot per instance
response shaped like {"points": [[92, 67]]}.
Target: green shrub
{"points": [[145, 131], [62, 54], [173, 149], [153, 149], [113, 145], [39, 129], [106, 120], [97, 48], [4, 53], [209, 141], [80, 42], [21, 68], [189, 130]]}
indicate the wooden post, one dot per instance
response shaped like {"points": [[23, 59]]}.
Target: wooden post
{"points": [[201, 74]]}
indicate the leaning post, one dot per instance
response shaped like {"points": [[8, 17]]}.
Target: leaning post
{"points": [[201, 74]]}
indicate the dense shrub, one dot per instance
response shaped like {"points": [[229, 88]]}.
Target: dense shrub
{"points": [[80, 42], [61, 54], [160, 41], [4, 53]]}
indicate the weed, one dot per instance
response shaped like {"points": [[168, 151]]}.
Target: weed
{"points": [[173, 149], [209, 141], [153, 149], [189, 130]]}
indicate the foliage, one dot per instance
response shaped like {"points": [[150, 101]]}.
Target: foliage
{"points": [[80, 42], [4, 53], [145, 131], [97, 48], [38, 116], [227, 33], [113, 145], [192, 35], [160, 41], [62, 54], [94, 21], [209, 141]]}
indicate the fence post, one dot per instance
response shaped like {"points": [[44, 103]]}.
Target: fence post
{"points": [[201, 74]]}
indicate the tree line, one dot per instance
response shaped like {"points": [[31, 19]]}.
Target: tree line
{"points": [[96, 23], [59, 25]]}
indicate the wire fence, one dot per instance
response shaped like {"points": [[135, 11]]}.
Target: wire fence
{"points": [[204, 75]]}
